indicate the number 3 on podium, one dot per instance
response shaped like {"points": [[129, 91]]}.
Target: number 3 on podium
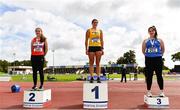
{"points": [[32, 97], [158, 101], [96, 89]]}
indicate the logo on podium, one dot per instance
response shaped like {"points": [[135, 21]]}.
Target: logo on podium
{"points": [[36, 98], [95, 95]]}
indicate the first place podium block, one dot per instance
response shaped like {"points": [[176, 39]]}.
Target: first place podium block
{"points": [[95, 95], [156, 102], [36, 98]]}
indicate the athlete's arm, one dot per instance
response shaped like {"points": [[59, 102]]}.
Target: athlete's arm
{"points": [[31, 46], [143, 47], [162, 46], [46, 47], [101, 39], [86, 40]]}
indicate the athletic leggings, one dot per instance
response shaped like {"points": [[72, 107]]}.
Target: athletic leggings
{"points": [[37, 65], [153, 64]]}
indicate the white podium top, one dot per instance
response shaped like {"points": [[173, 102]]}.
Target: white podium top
{"points": [[95, 82], [37, 90]]}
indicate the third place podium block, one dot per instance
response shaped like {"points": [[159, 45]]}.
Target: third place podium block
{"points": [[95, 95], [36, 98], [156, 102]]}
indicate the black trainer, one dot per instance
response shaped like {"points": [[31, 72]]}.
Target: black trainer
{"points": [[34, 87], [91, 80], [41, 87], [98, 80]]}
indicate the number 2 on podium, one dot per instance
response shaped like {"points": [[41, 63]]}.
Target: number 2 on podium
{"points": [[96, 89], [32, 96]]}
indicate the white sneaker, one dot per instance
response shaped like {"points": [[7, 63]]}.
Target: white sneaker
{"points": [[149, 94], [161, 94]]}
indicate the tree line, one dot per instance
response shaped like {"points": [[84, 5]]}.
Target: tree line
{"points": [[130, 58], [4, 64], [127, 58]]}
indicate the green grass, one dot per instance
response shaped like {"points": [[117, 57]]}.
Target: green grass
{"points": [[59, 77], [73, 77], [166, 71], [22, 78], [2, 72], [66, 77], [62, 77], [142, 76], [127, 76]]}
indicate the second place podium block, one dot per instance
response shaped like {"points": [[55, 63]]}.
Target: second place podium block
{"points": [[36, 99], [95, 95]]}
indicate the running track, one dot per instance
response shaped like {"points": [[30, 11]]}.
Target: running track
{"points": [[68, 95]]}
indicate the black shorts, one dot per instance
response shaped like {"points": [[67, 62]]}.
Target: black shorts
{"points": [[94, 49], [37, 62]]}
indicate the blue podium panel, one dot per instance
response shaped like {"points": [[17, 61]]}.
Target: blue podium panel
{"points": [[102, 78], [156, 102], [95, 95], [36, 99]]}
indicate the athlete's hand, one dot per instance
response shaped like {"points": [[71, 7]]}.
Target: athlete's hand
{"points": [[87, 53], [102, 52], [45, 59]]}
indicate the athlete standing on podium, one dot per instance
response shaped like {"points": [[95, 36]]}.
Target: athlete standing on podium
{"points": [[39, 48], [153, 49], [94, 48]]}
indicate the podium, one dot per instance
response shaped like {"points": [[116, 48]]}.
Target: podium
{"points": [[95, 95], [102, 78], [36, 98], [156, 102]]}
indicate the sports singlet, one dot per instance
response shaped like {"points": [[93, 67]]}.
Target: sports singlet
{"points": [[153, 48], [37, 47], [94, 37]]}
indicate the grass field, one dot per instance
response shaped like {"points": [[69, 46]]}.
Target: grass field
{"points": [[71, 77], [2, 73], [60, 77], [27, 78]]}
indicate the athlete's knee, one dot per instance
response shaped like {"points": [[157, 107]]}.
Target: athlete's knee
{"points": [[91, 63], [97, 64], [159, 75]]}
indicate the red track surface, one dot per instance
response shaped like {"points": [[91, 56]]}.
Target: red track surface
{"points": [[68, 95]]}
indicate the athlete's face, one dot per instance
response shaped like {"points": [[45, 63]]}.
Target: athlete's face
{"points": [[95, 23], [38, 32], [151, 32]]}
